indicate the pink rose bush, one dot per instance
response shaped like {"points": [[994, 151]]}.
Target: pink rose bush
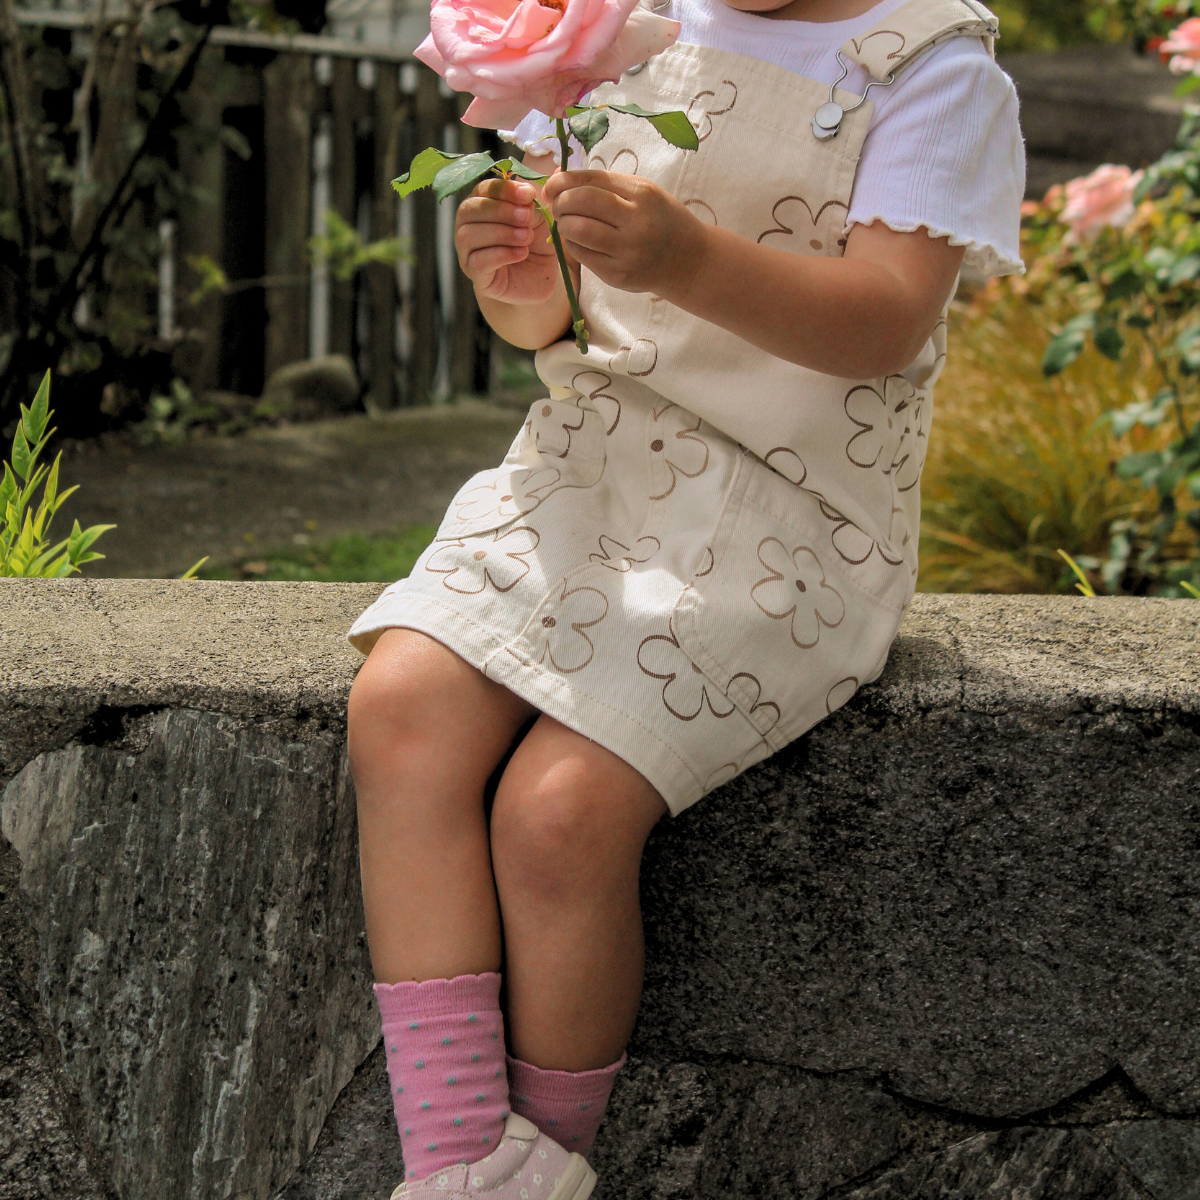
{"points": [[1103, 198], [519, 55], [1182, 47]]}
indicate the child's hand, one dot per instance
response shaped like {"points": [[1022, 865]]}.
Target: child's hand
{"points": [[503, 245], [626, 230]]}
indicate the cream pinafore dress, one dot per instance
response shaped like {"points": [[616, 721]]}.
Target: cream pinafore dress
{"points": [[694, 551]]}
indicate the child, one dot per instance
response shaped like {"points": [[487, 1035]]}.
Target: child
{"points": [[699, 545]]}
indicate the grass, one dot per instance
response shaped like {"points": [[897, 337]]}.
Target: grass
{"points": [[353, 557], [1019, 466]]}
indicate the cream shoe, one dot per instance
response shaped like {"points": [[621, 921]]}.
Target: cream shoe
{"points": [[526, 1165]]}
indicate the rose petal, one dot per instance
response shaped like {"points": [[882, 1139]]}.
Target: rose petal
{"points": [[496, 114]]}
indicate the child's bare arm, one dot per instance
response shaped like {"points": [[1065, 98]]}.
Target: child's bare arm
{"points": [[859, 316], [503, 248]]}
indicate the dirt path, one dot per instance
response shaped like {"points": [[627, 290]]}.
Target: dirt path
{"points": [[227, 497]]}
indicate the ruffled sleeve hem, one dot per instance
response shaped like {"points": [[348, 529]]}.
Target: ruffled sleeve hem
{"points": [[982, 258]]}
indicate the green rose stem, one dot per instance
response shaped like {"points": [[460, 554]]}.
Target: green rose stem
{"points": [[581, 333]]}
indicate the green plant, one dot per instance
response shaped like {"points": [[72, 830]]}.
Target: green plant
{"points": [[25, 530], [342, 247]]}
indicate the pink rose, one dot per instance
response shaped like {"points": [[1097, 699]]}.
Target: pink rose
{"points": [[518, 55], [1184, 47], [1105, 197]]}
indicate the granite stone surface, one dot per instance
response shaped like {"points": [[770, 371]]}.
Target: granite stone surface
{"points": [[945, 943]]}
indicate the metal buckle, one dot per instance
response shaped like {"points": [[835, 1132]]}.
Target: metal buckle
{"points": [[827, 123]]}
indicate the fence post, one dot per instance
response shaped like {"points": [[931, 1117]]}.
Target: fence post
{"points": [[344, 100], [381, 278], [288, 103], [426, 313]]}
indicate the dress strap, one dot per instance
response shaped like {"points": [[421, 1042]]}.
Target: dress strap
{"points": [[917, 26]]}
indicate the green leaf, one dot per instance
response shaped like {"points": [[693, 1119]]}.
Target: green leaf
{"points": [[1110, 343], [1068, 345], [37, 418], [22, 458], [673, 127], [1185, 270], [589, 127], [422, 171], [521, 171], [1124, 287], [190, 573], [1190, 588], [462, 173], [1139, 466], [1187, 86], [1138, 321], [81, 539]]}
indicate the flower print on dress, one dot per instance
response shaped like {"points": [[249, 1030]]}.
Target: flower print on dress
{"points": [[881, 422], [674, 444], [707, 104], [559, 636], [686, 690], [731, 770], [855, 546], [616, 556], [840, 694], [910, 455], [592, 384], [795, 218], [550, 425], [470, 565], [511, 495], [783, 460], [764, 714], [795, 590]]}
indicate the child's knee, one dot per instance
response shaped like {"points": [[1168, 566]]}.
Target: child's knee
{"points": [[549, 833]]}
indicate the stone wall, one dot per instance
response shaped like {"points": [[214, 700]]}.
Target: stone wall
{"points": [[945, 946]]}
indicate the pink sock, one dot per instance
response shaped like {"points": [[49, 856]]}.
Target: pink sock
{"points": [[567, 1106], [445, 1058]]}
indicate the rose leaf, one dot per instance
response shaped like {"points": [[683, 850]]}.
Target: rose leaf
{"points": [[521, 171], [673, 127], [422, 169], [589, 127], [461, 174]]}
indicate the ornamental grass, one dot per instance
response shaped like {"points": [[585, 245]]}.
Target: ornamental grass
{"points": [[1020, 466]]}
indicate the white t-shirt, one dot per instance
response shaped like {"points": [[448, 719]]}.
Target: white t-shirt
{"points": [[944, 149]]}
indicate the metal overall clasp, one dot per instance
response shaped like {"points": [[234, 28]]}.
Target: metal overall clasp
{"points": [[829, 117]]}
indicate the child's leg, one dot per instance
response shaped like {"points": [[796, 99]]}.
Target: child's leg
{"points": [[568, 829], [426, 732]]}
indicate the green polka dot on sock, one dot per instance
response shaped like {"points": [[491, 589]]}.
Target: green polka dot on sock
{"points": [[414, 1025], [487, 1137], [452, 1080], [419, 1063], [431, 1146], [474, 1057], [445, 1041], [479, 1097], [409, 1132], [495, 1035], [458, 1120], [426, 1104], [472, 1019]]}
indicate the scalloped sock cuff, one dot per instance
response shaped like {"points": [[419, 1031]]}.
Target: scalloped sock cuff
{"points": [[446, 1067], [567, 1106]]}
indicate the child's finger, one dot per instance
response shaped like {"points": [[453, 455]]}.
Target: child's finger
{"points": [[481, 263], [484, 208], [476, 235], [594, 202], [512, 190], [565, 181]]}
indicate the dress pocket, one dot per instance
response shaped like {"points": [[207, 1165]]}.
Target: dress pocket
{"points": [[772, 619], [560, 445]]}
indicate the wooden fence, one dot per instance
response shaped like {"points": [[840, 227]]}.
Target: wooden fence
{"points": [[328, 123], [327, 130]]}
